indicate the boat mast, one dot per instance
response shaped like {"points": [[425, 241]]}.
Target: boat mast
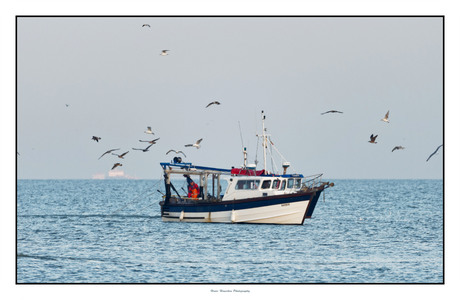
{"points": [[264, 142]]}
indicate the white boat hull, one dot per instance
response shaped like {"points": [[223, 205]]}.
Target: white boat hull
{"points": [[285, 213]]}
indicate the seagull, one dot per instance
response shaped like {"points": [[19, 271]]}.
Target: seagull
{"points": [[332, 111], [108, 151], [434, 152], [67, 105], [146, 25], [215, 102], [164, 52], [144, 150], [386, 117], [121, 156], [149, 130], [172, 150], [373, 139], [151, 142], [197, 144], [95, 138], [398, 148], [116, 165]]}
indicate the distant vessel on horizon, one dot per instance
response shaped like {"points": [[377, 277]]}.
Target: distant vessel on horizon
{"points": [[113, 174]]}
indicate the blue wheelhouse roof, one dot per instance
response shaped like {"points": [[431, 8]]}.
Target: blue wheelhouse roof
{"points": [[190, 166]]}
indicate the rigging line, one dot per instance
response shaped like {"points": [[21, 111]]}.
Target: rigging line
{"points": [[144, 208], [151, 204], [241, 135], [132, 201], [126, 205], [274, 168], [295, 171]]}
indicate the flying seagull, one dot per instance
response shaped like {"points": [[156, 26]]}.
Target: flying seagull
{"points": [[151, 142], [108, 151], [95, 138], [434, 152], [116, 165], [197, 144], [144, 150], [121, 156], [172, 150], [146, 25], [164, 52], [67, 105], [398, 148], [373, 139], [215, 102], [332, 111], [149, 130], [385, 119]]}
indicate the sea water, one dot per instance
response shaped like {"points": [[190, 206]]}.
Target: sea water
{"points": [[110, 231]]}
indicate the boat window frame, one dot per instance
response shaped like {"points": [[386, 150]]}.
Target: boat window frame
{"points": [[276, 181], [297, 183], [269, 185], [253, 184], [290, 183], [283, 185]]}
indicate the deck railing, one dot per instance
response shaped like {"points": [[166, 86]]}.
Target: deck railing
{"points": [[312, 181]]}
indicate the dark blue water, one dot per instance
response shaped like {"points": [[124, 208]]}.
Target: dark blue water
{"points": [[110, 231]]}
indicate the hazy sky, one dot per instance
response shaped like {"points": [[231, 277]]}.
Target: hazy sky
{"points": [[110, 72]]}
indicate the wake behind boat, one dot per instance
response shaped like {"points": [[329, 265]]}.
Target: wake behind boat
{"points": [[251, 196]]}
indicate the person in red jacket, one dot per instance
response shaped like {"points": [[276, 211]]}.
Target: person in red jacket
{"points": [[193, 189]]}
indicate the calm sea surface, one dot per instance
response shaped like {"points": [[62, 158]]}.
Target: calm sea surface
{"points": [[110, 231]]}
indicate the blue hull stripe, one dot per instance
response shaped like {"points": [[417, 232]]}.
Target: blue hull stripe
{"points": [[242, 204]]}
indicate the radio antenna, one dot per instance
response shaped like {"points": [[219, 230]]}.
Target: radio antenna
{"points": [[242, 145]]}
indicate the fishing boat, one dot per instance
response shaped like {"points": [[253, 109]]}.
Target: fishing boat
{"points": [[250, 196]]}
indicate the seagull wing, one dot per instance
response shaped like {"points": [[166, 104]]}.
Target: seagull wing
{"points": [[434, 152], [148, 147], [331, 111], [188, 145], [387, 114], [430, 156], [182, 153], [108, 151], [199, 141], [124, 153], [171, 151]]}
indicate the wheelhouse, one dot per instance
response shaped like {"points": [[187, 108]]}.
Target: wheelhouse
{"points": [[240, 187]]}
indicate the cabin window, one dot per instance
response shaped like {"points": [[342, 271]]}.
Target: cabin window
{"points": [[290, 183], [297, 183], [283, 185], [266, 184], [276, 184], [247, 185]]}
